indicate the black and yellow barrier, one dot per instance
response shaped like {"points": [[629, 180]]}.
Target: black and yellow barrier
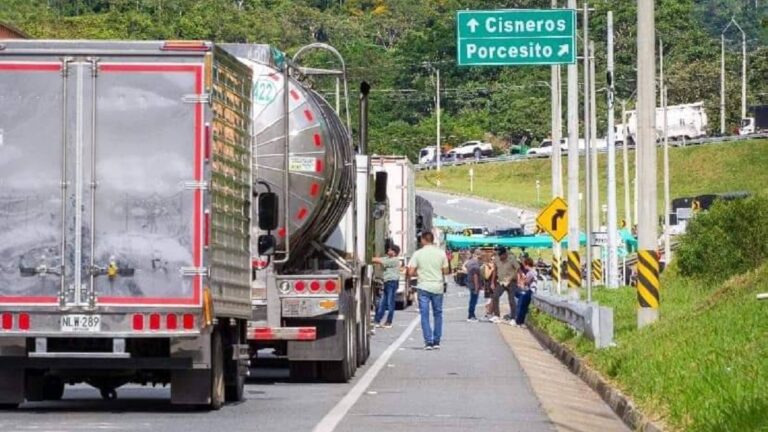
{"points": [[597, 271], [574, 270], [648, 279]]}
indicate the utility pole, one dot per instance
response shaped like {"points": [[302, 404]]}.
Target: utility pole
{"points": [[625, 138], [613, 260], [594, 184], [587, 158], [648, 264], [667, 203], [574, 260], [438, 147], [663, 96], [722, 81], [557, 171]]}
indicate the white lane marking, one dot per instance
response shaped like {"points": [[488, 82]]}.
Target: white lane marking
{"points": [[495, 210], [337, 413], [453, 201]]}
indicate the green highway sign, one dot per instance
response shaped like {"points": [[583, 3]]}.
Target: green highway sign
{"points": [[516, 37]]}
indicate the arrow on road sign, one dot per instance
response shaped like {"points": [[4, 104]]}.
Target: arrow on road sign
{"points": [[564, 50], [554, 219], [472, 24], [559, 214]]}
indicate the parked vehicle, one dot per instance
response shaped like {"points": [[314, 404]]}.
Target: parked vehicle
{"points": [[316, 210], [476, 149], [686, 121], [757, 122], [402, 215], [125, 238]]}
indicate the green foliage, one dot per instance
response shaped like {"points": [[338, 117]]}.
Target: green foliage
{"points": [[731, 238], [702, 367], [395, 45]]}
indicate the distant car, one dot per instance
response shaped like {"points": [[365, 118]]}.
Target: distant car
{"points": [[509, 232], [476, 149], [476, 231]]}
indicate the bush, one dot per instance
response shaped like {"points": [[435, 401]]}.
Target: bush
{"points": [[731, 238]]}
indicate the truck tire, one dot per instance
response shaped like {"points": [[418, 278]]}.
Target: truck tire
{"points": [[302, 371], [8, 406], [343, 370], [363, 332], [234, 390], [217, 371], [53, 388]]}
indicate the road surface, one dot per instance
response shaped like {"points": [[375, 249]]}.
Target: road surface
{"points": [[474, 211]]}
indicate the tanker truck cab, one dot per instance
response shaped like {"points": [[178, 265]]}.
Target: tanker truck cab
{"points": [[124, 196], [311, 281]]}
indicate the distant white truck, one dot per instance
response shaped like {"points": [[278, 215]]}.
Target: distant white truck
{"points": [[475, 149], [545, 148], [687, 121], [757, 123]]}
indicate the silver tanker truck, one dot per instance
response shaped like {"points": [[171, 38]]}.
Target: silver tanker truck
{"points": [[317, 218]]}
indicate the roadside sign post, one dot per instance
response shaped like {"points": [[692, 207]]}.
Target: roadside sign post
{"points": [[516, 37], [471, 179]]}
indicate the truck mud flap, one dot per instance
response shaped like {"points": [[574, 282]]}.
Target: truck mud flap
{"points": [[329, 345], [191, 387], [11, 385]]}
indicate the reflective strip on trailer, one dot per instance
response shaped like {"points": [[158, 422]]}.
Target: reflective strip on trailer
{"points": [[282, 333]]}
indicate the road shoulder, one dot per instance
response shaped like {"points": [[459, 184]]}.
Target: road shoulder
{"points": [[570, 404]]}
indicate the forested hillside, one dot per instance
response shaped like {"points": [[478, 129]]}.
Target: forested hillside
{"points": [[393, 43]]}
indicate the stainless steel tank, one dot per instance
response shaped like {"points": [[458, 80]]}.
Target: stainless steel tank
{"points": [[321, 166]]}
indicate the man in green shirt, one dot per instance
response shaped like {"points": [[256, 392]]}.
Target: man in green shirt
{"points": [[430, 265], [391, 276]]}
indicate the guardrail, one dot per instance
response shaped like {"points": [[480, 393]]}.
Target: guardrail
{"points": [[518, 158], [592, 320]]}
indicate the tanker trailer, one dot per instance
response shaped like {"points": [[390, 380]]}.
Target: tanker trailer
{"points": [[311, 285], [124, 236]]}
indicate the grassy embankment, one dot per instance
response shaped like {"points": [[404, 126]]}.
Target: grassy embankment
{"points": [[695, 170], [702, 367]]}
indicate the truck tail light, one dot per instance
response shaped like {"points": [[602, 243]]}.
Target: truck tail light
{"points": [[154, 321], [299, 286], [330, 286], [138, 322], [7, 321], [24, 321], [188, 321], [171, 322], [314, 286]]}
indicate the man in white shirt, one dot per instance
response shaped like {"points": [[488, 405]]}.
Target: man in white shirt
{"points": [[429, 265]]}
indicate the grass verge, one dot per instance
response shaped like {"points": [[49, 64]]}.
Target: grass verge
{"points": [[702, 367]]}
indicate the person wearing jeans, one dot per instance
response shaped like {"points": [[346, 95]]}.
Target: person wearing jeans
{"points": [[473, 284], [526, 292], [391, 276], [429, 265]]}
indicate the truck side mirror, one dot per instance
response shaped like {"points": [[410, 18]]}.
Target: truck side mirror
{"points": [[419, 222], [266, 244], [380, 193], [268, 211]]}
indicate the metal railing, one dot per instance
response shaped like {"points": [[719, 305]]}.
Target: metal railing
{"points": [[588, 318]]}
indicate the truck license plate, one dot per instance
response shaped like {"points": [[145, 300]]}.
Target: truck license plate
{"points": [[81, 323]]}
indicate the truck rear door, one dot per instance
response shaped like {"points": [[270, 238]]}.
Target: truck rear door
{"points": [[101, 180]]}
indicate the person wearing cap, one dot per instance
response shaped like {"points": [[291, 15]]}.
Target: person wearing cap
{"points": [[391, 276], [504, 281]]}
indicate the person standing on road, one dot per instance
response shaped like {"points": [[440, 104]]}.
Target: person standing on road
{"points": [[429, 265], [474, 283], [525, 292], [391, 276], [522, 217], [505, 281]]}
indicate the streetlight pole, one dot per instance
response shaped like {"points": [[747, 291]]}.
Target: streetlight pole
{"points": [[438, 147], [587, 148], [743, 73], [648, 265], [722, 80], [667, 203], [574, 260], [594, 184], [625, 138], [612, 266], [557, 171]]}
